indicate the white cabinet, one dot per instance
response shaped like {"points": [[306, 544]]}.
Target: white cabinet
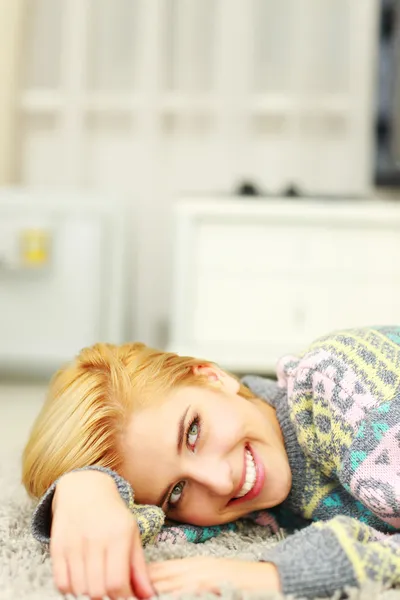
{"points": [[62, 277], [255, 279]]}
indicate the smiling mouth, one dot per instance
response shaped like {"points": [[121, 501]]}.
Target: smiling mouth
{"points": [[250, 477]]}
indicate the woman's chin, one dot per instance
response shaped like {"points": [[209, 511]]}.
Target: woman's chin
{"points": [[273, 495]]}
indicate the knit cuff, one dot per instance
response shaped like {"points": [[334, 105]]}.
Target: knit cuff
{"points": [[42, 517], [311, 563]]}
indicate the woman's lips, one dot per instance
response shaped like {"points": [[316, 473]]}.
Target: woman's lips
{"points": [[259, 482]]}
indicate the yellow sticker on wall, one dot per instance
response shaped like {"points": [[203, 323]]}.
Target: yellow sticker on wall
{"points": [[35, 247]]}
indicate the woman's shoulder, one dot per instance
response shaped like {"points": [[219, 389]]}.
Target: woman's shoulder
{"points": [[362, 364]]}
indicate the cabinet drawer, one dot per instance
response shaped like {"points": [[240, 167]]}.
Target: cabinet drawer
{"points": [[246, 309], [249, 247], [263, 248]]}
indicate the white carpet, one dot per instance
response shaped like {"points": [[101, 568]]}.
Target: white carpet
{"points": [[25, 570]]}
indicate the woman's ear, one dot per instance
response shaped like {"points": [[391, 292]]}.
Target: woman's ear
{"points": [[218, 377], [209, 371]]}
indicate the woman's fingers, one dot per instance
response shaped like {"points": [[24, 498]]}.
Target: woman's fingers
{"points": [[140, 578], [96, 542], [117, 569], [60, 570], [95, 571], [76, 569], [168, 578]]}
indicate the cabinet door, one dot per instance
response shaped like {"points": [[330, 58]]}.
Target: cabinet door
{"points": [[246, 282]]}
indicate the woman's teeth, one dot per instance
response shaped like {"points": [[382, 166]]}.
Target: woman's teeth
{"points": [[251, 475]]}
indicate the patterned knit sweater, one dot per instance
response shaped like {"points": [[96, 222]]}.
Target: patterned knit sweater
{"points": [[338, 406]]}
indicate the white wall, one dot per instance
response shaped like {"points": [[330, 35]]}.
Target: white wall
{"points": [[152, 98]]}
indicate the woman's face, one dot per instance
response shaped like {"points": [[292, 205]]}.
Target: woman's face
{"points": [[207, 456]]}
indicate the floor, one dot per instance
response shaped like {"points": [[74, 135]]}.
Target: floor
{"points": [[19, 405]]}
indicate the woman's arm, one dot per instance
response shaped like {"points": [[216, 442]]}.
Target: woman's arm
{"points": [[330, 555], [317, 561], [96, 541], [42, 517], [150, 519]]}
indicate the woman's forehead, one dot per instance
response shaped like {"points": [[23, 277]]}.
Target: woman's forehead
{"points": [[152, 423], [149, 451]]}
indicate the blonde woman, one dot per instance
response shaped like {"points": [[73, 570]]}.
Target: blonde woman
{"points": [[188, 440]]}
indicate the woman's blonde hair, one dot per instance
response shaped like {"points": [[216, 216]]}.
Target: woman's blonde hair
{"points": [[89, 403]]}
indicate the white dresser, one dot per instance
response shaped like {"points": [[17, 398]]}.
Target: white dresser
{"points": [[255, 279]]}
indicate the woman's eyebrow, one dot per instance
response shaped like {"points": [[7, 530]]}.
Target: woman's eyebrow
{"points": [[179, 444]]}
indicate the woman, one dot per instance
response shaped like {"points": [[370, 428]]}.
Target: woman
{"points": [[197, 445]]}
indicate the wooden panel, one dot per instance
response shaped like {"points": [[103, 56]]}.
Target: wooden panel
{"points": [[353, 253], [115, 27], [189, 45], [273, 60], [43, 44], [327, 26], [246, 309], [110, 153], [335, 303], [40, 162], [249, 247]]}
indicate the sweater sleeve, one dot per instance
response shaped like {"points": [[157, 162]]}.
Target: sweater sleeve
{"points": [[150, 519], [330, 555]]}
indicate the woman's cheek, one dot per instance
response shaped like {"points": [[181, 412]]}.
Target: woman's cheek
{"points": [[227, 431], [201, 516]]}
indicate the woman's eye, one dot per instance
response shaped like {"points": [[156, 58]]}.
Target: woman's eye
{"points": [[177, 492], [193, 433]]}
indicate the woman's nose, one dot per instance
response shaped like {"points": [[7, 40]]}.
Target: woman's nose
{"points": [[215, 475]]}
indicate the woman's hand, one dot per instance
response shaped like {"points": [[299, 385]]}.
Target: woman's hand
{"points": [[95, 542], [208, 574]]}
